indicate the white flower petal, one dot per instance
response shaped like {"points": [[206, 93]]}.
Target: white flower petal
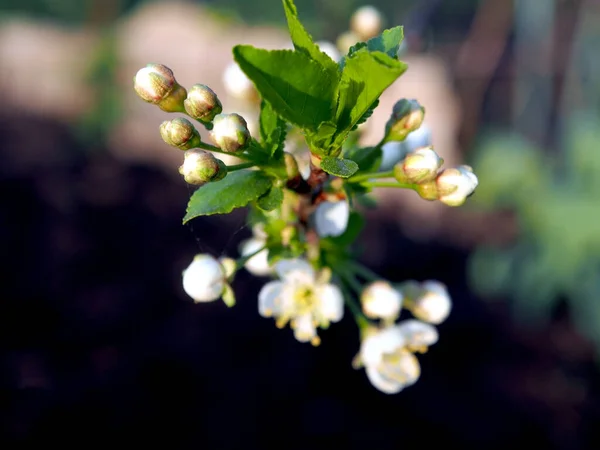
{"points": [[421, 137], [296, 269], [331, 218], [418, 334], [237, 84], [204, 279], [257, 265], [382, 383], [380, 342], [269, 298], [380, 300], [391, 153], [403, 366], [331, 306], [304, 328]]}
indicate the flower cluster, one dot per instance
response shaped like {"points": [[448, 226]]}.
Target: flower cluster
{"points": [[302, 175]]}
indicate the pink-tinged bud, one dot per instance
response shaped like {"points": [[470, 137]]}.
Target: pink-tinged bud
{"points": [[407, 116], [180, 133], [202, 103], [454, 185], [230, 132], [156, 84], [201, 167], [419, 166]]}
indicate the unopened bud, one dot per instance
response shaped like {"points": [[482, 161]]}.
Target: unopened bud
{"points": [[366, 22], [419, 166], [407, 116], [230, 132], [433, 304], [156, 84], [427, 190], [180, 133], [454, 185], [200, 167], [380, 300], [202, 103]]}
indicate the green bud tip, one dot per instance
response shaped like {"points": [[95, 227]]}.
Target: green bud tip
{"points": [[202, 103], [407, 116]]}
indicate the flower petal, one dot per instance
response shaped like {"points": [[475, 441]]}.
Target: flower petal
{"points": [[331, 218], [381, 301], [417, 333], [380, 342], [295, 269], [257, 265], [381, 382], [204, 279], [331, 306], [268, 304], [304, 328]]}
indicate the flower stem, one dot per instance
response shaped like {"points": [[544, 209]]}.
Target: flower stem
{"points": [[391, 184], [240, 166], [362, 271], [370, 175], [361, 321], [212, 148]]}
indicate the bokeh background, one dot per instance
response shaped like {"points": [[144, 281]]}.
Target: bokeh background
{"points": [[100, 345]]}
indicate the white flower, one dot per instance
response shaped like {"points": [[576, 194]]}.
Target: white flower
{"points": [[302, 298], [454, 185], [331, 218], [366, 22], [205, 279], [433, 304], [380, 300], [330, 50], [392, 152], [154, 82], [389, 366], [237, 84], [418, 335]]}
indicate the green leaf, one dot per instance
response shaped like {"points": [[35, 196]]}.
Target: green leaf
{"points": [[364, 78], [270, 200], [303, 41], [237, 189], [367, 158], [343, 168], [366, 115], [298, 88], [387, 42], [272, 130]]}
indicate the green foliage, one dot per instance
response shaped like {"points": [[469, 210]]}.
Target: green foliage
{"points": [[273, 131], [237, 189], [557, 252]]}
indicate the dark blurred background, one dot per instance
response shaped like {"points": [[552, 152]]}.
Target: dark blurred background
{"points": [[99, 342]]}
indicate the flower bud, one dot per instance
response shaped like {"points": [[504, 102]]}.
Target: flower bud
{"points": [[380, 300], [156, 84], [237, 84], [202, 103], [419, 166], [407, 116], [180, 133], [230, 132], [331, 218], [454, 185], [427, 190], [200, 167], [433, 304], [366, 22], [204, 279]]}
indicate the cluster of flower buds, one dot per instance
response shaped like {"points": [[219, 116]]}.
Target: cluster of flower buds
{"points": [[387, 352], [156, 84], [420, 167]]}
